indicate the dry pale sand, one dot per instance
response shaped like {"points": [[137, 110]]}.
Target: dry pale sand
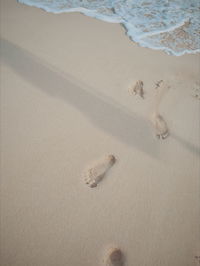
{"points": [[64, 103]]}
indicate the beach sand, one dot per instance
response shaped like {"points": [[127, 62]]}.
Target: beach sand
{"points": [[65, 102]]}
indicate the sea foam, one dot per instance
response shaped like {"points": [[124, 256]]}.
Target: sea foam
{"points": [[169, 25]]}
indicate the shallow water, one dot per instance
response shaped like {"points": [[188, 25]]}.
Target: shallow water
{"points": [[169, 25]]}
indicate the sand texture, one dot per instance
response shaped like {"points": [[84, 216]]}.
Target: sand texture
{"points": [[65, 102]]}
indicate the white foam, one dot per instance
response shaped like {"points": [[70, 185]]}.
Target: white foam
{"points": [[153, 24]]}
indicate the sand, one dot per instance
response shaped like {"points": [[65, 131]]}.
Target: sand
{"points": [[65, 102]]}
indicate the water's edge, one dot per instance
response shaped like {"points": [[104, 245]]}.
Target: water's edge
{"points": [[171, 26]]}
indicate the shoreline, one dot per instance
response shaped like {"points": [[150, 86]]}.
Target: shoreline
{"points": [[180, 28]]}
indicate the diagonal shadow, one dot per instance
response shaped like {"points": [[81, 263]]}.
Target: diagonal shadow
{"points": [[128, 128], [189, 146]]}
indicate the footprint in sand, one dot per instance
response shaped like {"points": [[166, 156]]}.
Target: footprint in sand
{"points": [[160, 126], [196, 91], [137, 89], [94, 174], [158, 122], [114, 257], [158, 83]]}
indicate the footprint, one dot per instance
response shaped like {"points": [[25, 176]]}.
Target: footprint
{"points": [[160, 126], [94, 174], [114, 257], [158, 122], [137, 89], [158, 83], [162, 85], [196, 91]]}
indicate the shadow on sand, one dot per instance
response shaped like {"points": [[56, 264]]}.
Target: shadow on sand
{"points": [[186, 144], [104, 113]]}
